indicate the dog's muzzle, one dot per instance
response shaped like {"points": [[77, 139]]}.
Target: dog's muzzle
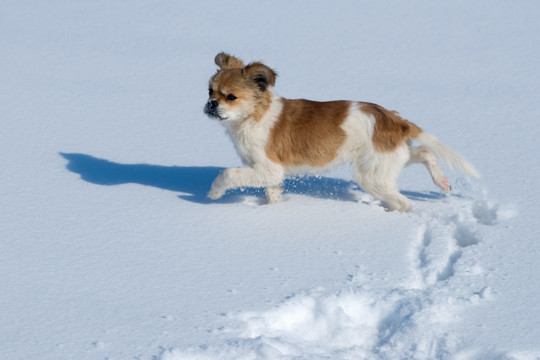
{"points": [[211, 108]]}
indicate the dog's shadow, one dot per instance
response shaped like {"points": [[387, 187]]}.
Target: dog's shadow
{"points": [[194, 181]]}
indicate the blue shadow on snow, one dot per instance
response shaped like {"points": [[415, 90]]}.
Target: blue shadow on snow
{"points": [[195, 181]]}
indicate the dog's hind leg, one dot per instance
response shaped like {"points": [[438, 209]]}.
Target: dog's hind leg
{"points": [[386, 191], [422, 155], [380, 180]]}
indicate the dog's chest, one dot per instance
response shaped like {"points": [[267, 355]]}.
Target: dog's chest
{"points": [[251, 136], [250, 140]]}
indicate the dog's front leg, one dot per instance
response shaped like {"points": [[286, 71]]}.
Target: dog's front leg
{"points": [[258, 176], [273, 194], [219, 185]]}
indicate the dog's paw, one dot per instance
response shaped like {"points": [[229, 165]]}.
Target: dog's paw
{"points": [[217, 190], [215, 194], [445, 185], [273, 194], [219, 187]]}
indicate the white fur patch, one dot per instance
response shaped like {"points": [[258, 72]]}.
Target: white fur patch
{"points": [[250, 136]]}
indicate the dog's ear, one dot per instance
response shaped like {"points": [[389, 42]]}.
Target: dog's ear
{"points": [[260, 74], [226, 61]]}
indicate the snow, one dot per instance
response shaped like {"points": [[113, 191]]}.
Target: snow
{"points": [[110, 248]]}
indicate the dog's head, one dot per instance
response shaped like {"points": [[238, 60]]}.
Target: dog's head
{"points": [[236, 90]]}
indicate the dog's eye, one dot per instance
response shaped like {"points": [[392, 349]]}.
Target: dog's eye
{"points": [[210, 92], [231, 97]]}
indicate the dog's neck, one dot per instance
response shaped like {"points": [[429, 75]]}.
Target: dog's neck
{"points": [[262, 105], [250, 135]]}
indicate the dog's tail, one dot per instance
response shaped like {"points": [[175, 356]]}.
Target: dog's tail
{"points": [[449, 156]]}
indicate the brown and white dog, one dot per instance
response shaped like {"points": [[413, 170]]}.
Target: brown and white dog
{"points": [[275, 137]]}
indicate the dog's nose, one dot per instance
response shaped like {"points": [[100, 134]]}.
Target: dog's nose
{"points": [[213, 104]]}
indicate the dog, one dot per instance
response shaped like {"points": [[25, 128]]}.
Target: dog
{"points": [[276, 137]]}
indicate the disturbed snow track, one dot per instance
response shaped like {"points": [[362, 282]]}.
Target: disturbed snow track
{"points": [[411, 321]]}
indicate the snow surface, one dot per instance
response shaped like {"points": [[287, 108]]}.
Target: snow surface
{"points": [[110, 249]]}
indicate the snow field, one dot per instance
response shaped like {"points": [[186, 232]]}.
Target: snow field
{"points": [[415, 320], [110, 249]]}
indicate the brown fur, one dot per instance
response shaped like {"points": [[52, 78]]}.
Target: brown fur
{"points": [[226, 61], [260, 74], [233, 71], [240, 83], [307, 132], [390, 129], [262, 104], [248, 83]]}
